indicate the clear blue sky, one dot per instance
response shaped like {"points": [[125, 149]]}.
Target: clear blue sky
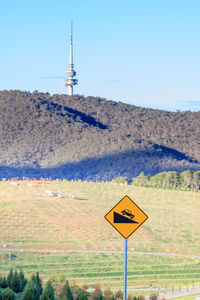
{"points": [[143, 52]]}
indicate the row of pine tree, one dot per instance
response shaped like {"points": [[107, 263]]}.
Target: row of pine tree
{"points": [[16, 287], [31, 289]]}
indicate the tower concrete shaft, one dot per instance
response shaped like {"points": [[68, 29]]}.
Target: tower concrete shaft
{"points": [[70, 81]]}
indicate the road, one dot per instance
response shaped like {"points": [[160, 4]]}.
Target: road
{"points": [[94, 251]]}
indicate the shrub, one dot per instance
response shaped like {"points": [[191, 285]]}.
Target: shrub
{"points": [[66, 293], [108, 294], [58, 289], [153, 297], [97, 294], [82, 295], [119, 294], [53, 279], [75, 289], [48, 292], [7, 294], [3, 282], [62, 278]]}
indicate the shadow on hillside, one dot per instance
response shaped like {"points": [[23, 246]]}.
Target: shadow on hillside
{"points": [[65, 111], [151, 161]]}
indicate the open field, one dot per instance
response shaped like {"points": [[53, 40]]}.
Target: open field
{"points": [[107, 269], [31, 218]]}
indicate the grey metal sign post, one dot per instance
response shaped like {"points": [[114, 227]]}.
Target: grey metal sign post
{"points": [[125, 270]]}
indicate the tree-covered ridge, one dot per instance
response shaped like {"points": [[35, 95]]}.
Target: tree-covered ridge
{"points": [[176, 130], [92, 138]]}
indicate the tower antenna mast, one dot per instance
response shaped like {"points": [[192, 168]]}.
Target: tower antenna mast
{"points": [[70, 81]]}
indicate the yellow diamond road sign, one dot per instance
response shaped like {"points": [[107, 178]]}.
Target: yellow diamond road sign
{"points": [[126, 217]]}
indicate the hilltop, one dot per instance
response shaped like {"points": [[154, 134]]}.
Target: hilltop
{"points": [[92, 138]]}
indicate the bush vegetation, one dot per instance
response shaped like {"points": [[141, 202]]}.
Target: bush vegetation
{"points": [[33, 290], [92, 138]]}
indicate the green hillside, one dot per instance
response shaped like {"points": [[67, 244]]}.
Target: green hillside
{"points": [[32, 219], [92, 138]]}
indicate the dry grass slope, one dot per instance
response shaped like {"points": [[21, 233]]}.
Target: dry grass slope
{"points": [[31, 218]]}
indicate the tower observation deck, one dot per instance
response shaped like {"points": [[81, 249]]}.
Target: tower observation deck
{"points": [[70, 81]]}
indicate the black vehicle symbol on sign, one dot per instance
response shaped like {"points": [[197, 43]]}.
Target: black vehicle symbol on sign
{"points": [[128, 213]]}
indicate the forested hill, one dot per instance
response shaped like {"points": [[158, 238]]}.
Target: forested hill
{"points": [[92, 138]]}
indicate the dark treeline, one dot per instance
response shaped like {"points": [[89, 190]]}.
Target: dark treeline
{"points": [[187, 180], [16, 286]]}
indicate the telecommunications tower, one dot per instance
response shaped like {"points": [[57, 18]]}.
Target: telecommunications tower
{"points": [[70, 81]]}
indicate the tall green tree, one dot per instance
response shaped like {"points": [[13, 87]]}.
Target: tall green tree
{"points": [[196, 180], [187, 179], [3, 282], [173, 179], [31, 291], [9, 277], [36, 279], [159, 180], [39, 282], [15, 282], [66, 293], [141, 180], [23, 280], [48, 292]]}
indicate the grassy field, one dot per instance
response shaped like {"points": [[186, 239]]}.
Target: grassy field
{"points": [[31, 218]]}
